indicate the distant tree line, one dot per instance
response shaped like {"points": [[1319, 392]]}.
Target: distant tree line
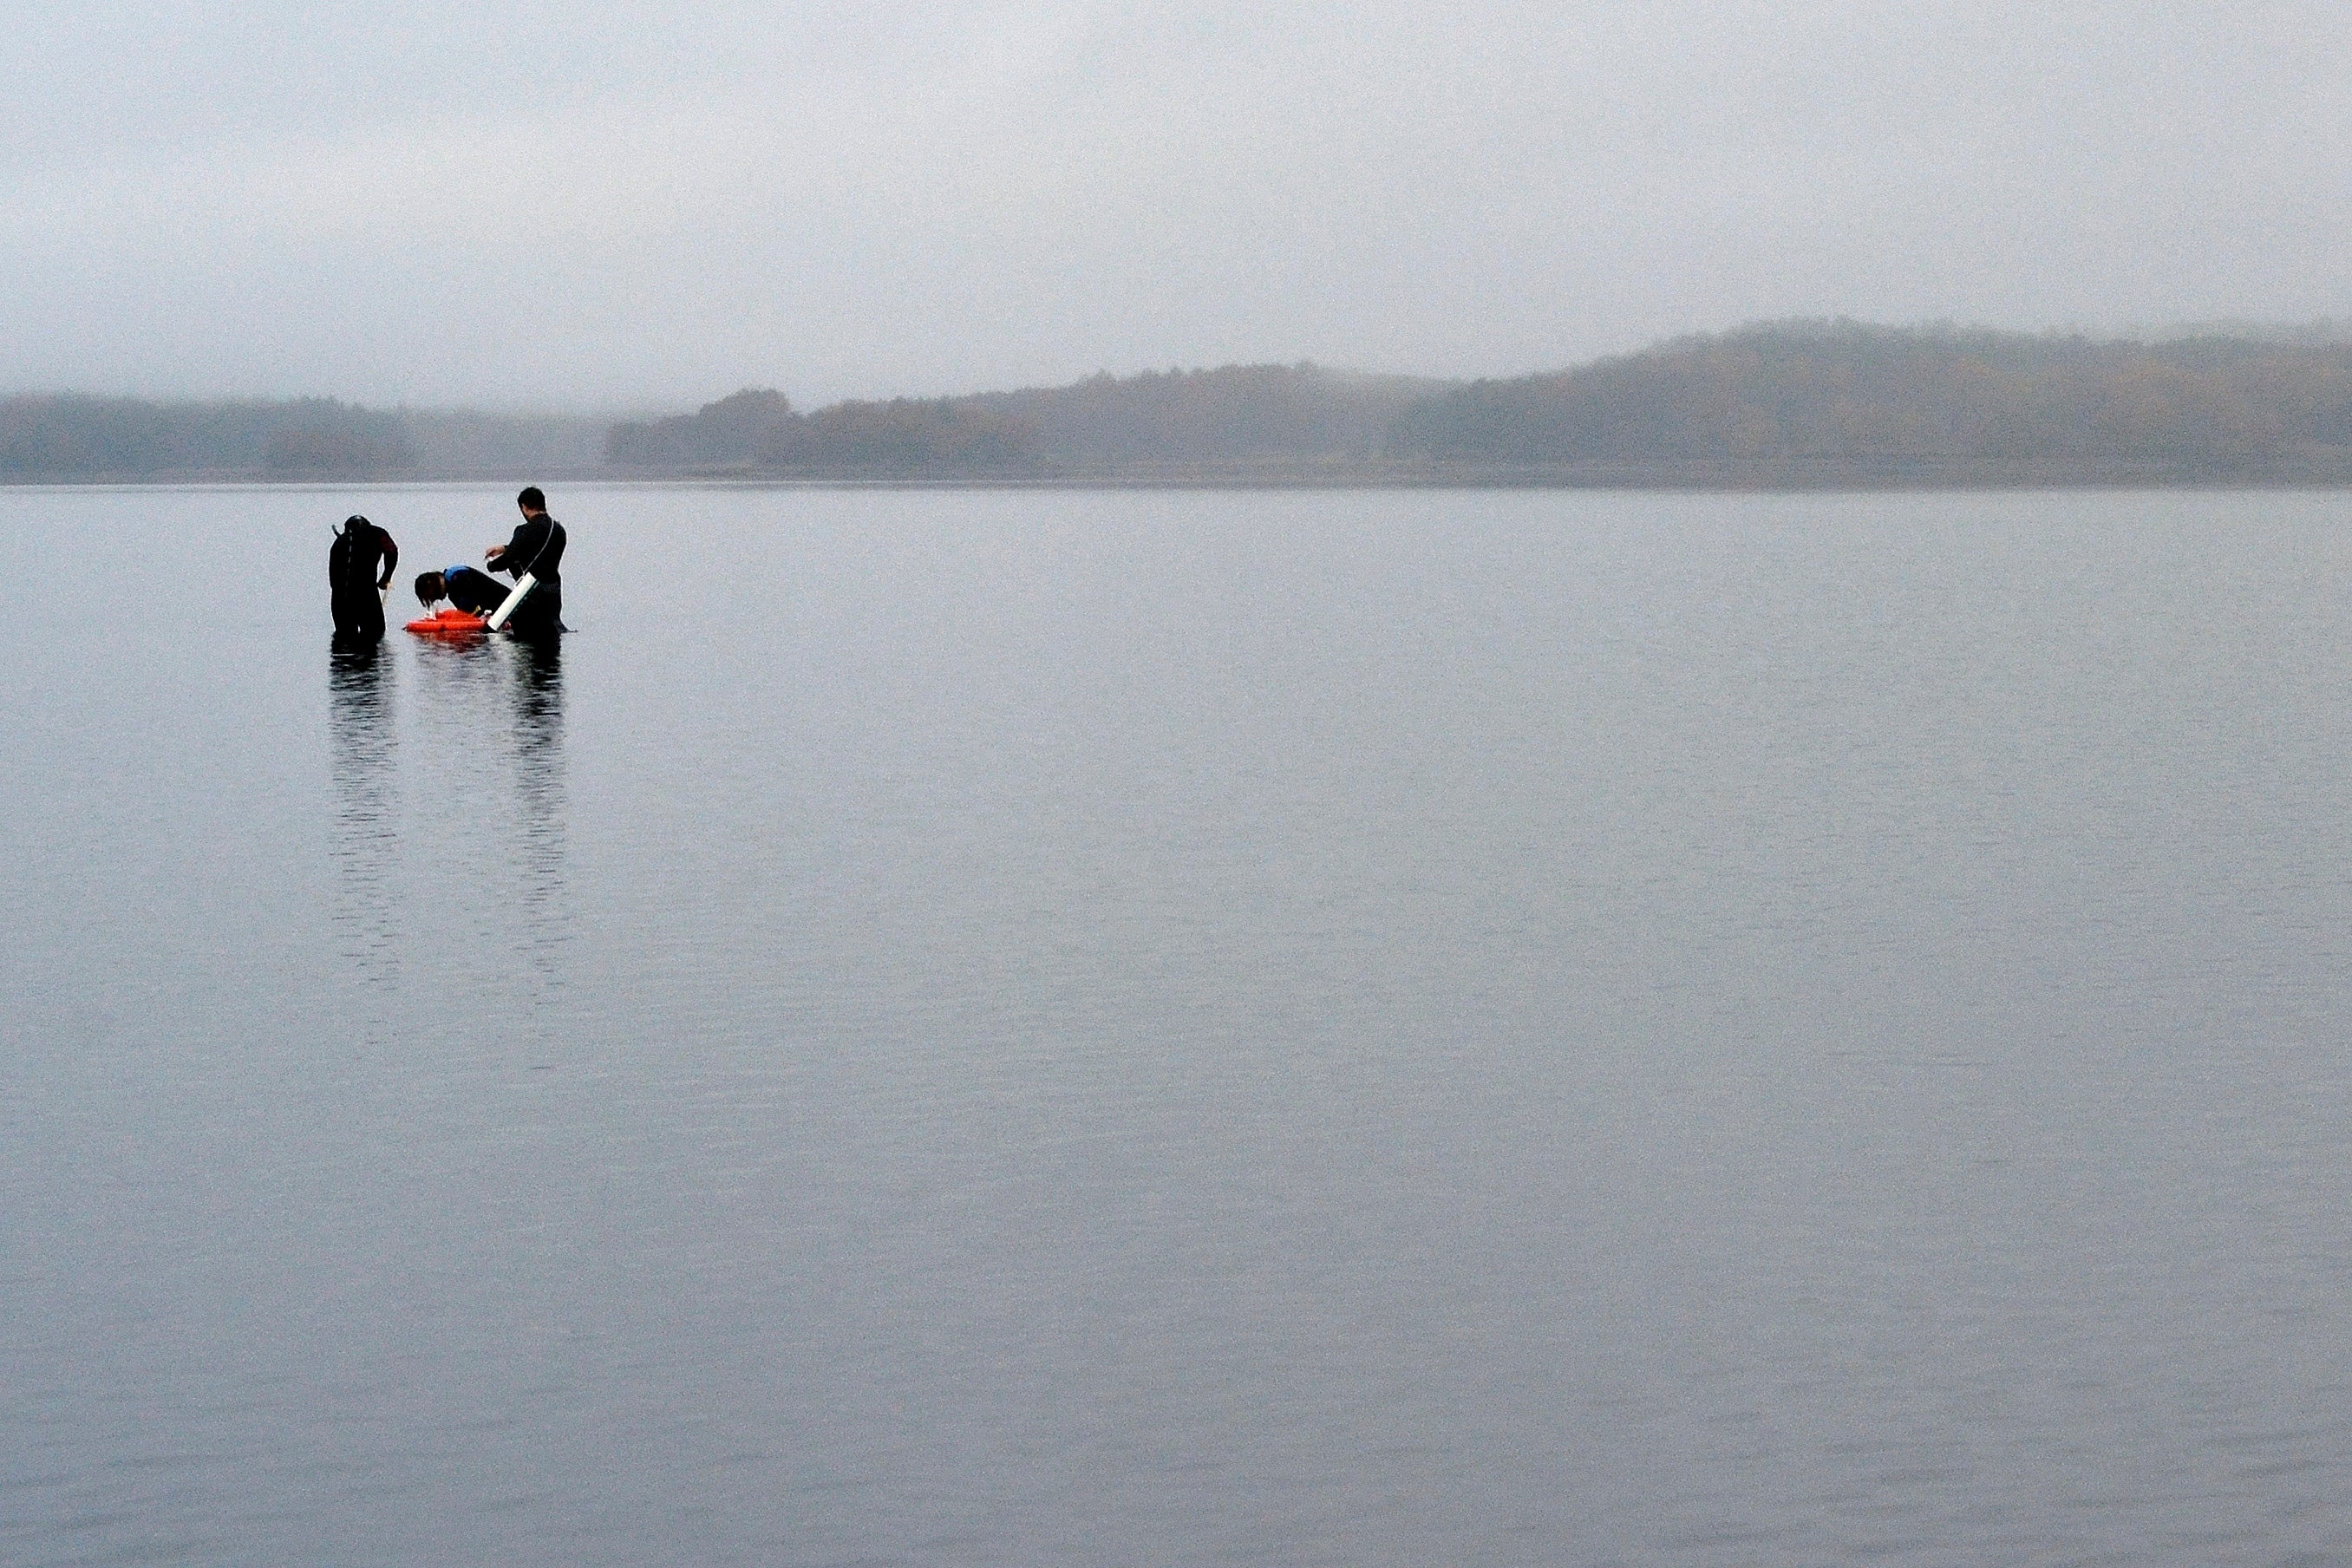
{"points": [[69, 435], [1844, 391], [1836, 393], [1818, 399], [1236, 414], [758, 428]]}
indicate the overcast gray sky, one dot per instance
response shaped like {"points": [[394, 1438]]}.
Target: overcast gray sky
{"points": [[601, 203]]}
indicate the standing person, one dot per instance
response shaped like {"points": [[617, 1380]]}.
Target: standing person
{"points": [[535, 551], [359, 568]]}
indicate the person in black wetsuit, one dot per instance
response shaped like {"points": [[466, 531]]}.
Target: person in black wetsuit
{"points": [[537, 551], [359, 568]]}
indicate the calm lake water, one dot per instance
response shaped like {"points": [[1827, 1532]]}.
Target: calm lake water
{"points": [[1064, 1028]]}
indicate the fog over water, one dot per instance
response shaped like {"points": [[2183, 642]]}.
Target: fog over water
{"points": [[1059, 1029], [617, 203]]}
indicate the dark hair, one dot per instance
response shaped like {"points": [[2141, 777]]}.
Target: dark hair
{"points": [[531, 499], [354, 522], [429, 587]]}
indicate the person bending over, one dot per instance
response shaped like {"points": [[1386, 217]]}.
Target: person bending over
{"points": [[536, 550], [476, 593], [359, 569]]}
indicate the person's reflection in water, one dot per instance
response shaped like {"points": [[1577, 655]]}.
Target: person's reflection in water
{"points": [[543, 806], [491, 807], [363, 752]]}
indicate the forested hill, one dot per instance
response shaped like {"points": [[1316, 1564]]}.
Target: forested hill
{"points": [[1238, 414], [1891, 400], [65, 436], [1159, 420], [1785, 403], [1788, 403], [127, 437]]}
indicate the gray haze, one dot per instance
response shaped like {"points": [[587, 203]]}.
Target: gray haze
{"points": [[612, 204]]}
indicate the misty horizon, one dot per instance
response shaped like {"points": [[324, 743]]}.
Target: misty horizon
{"points": [[2315, 330]]}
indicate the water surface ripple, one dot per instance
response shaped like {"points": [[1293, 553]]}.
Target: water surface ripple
{"points": [[1167, 1028]]}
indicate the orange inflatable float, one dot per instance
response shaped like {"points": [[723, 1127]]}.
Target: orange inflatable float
{"points": [[449, 623]]}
